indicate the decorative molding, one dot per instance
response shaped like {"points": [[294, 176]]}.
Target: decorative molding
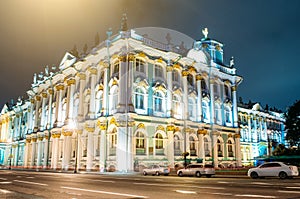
{"points": [[170, 128], [160, 127], [141, 126], [185, 73], [81, 76]]}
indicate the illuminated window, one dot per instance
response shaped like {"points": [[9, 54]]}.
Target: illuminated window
{"points": [[158, 102], [230, 148], [139, 98], [175, 76], [192, 146], [158, 71], [177, 150], [140, 143], [140, 66]]}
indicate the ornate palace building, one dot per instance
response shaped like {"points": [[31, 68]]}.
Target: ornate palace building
{"points": [[261, 131], [134, 100]]}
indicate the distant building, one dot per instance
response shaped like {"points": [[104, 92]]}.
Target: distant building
{"points": [[261, 131], [134, 100]]}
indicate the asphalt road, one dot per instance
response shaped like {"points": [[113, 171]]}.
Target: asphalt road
{"points": [[36, 185]]}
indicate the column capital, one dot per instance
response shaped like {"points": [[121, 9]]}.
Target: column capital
{"points": [[170, 128], [38, 98], [81, 76], [105, 64], [131, 57], [44, 95], [50, 91], [169, 68], [32, 100], [93, 71], [122, 58], [185, 73], [233, 88], [71, 81], [59, 87], [199, 77]]}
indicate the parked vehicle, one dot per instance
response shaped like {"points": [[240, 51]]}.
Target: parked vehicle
{"points": [[197, 170], [273, 169], [156, 170]]}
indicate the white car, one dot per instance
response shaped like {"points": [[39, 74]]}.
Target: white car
{"points": [[156, 170], [273, 169], [197, 170]]}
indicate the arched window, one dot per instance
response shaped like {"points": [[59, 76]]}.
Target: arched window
{"points": [[139, 98], [192, 108], [227, 115], [192, 146], [205, 111], [113, 143], [227, 93], [217, 114], [230, 148], [206, 147], [158, 102], [190, 80], [140, 143], [159, 144], [158, 71], [175, 76], [113, 100], [203, 86], [176, 106], [115, 71], [140, 66], [177, 150], [216, 90], [220, 148]]}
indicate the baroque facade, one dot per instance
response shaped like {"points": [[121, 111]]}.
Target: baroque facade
{"points": [[132, 101], [261, 131]]}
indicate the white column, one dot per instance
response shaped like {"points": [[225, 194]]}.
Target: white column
{"points": [[215, 149], [58, 111], [185, 73], [55, 149], [212, 101], [255, 129], [46, 149], [70, 100], [105, 89], [26, 150], [67, 149], [33, 150], [82, 78], [199, 98], [39, 150], [170, 146], [43, 115], [37, 105], [122, 84], [103, 147], [93, 72], [90, 148], [50, 111], [169, 90], [234, 107], [238, 150], [201, 153], [121, 156]]}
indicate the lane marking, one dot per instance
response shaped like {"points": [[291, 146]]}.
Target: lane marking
{"points": [[30, 177], [186, 192], [254, 196], [3, 178], [223, 182], [281, 191], [261, 183], [104, 192], [27, 182], [5, 182], [5, 191], [176, 185], [104, 181], [292, 187]]}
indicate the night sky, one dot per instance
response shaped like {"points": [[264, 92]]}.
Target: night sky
{"points": [[262, 35]]}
